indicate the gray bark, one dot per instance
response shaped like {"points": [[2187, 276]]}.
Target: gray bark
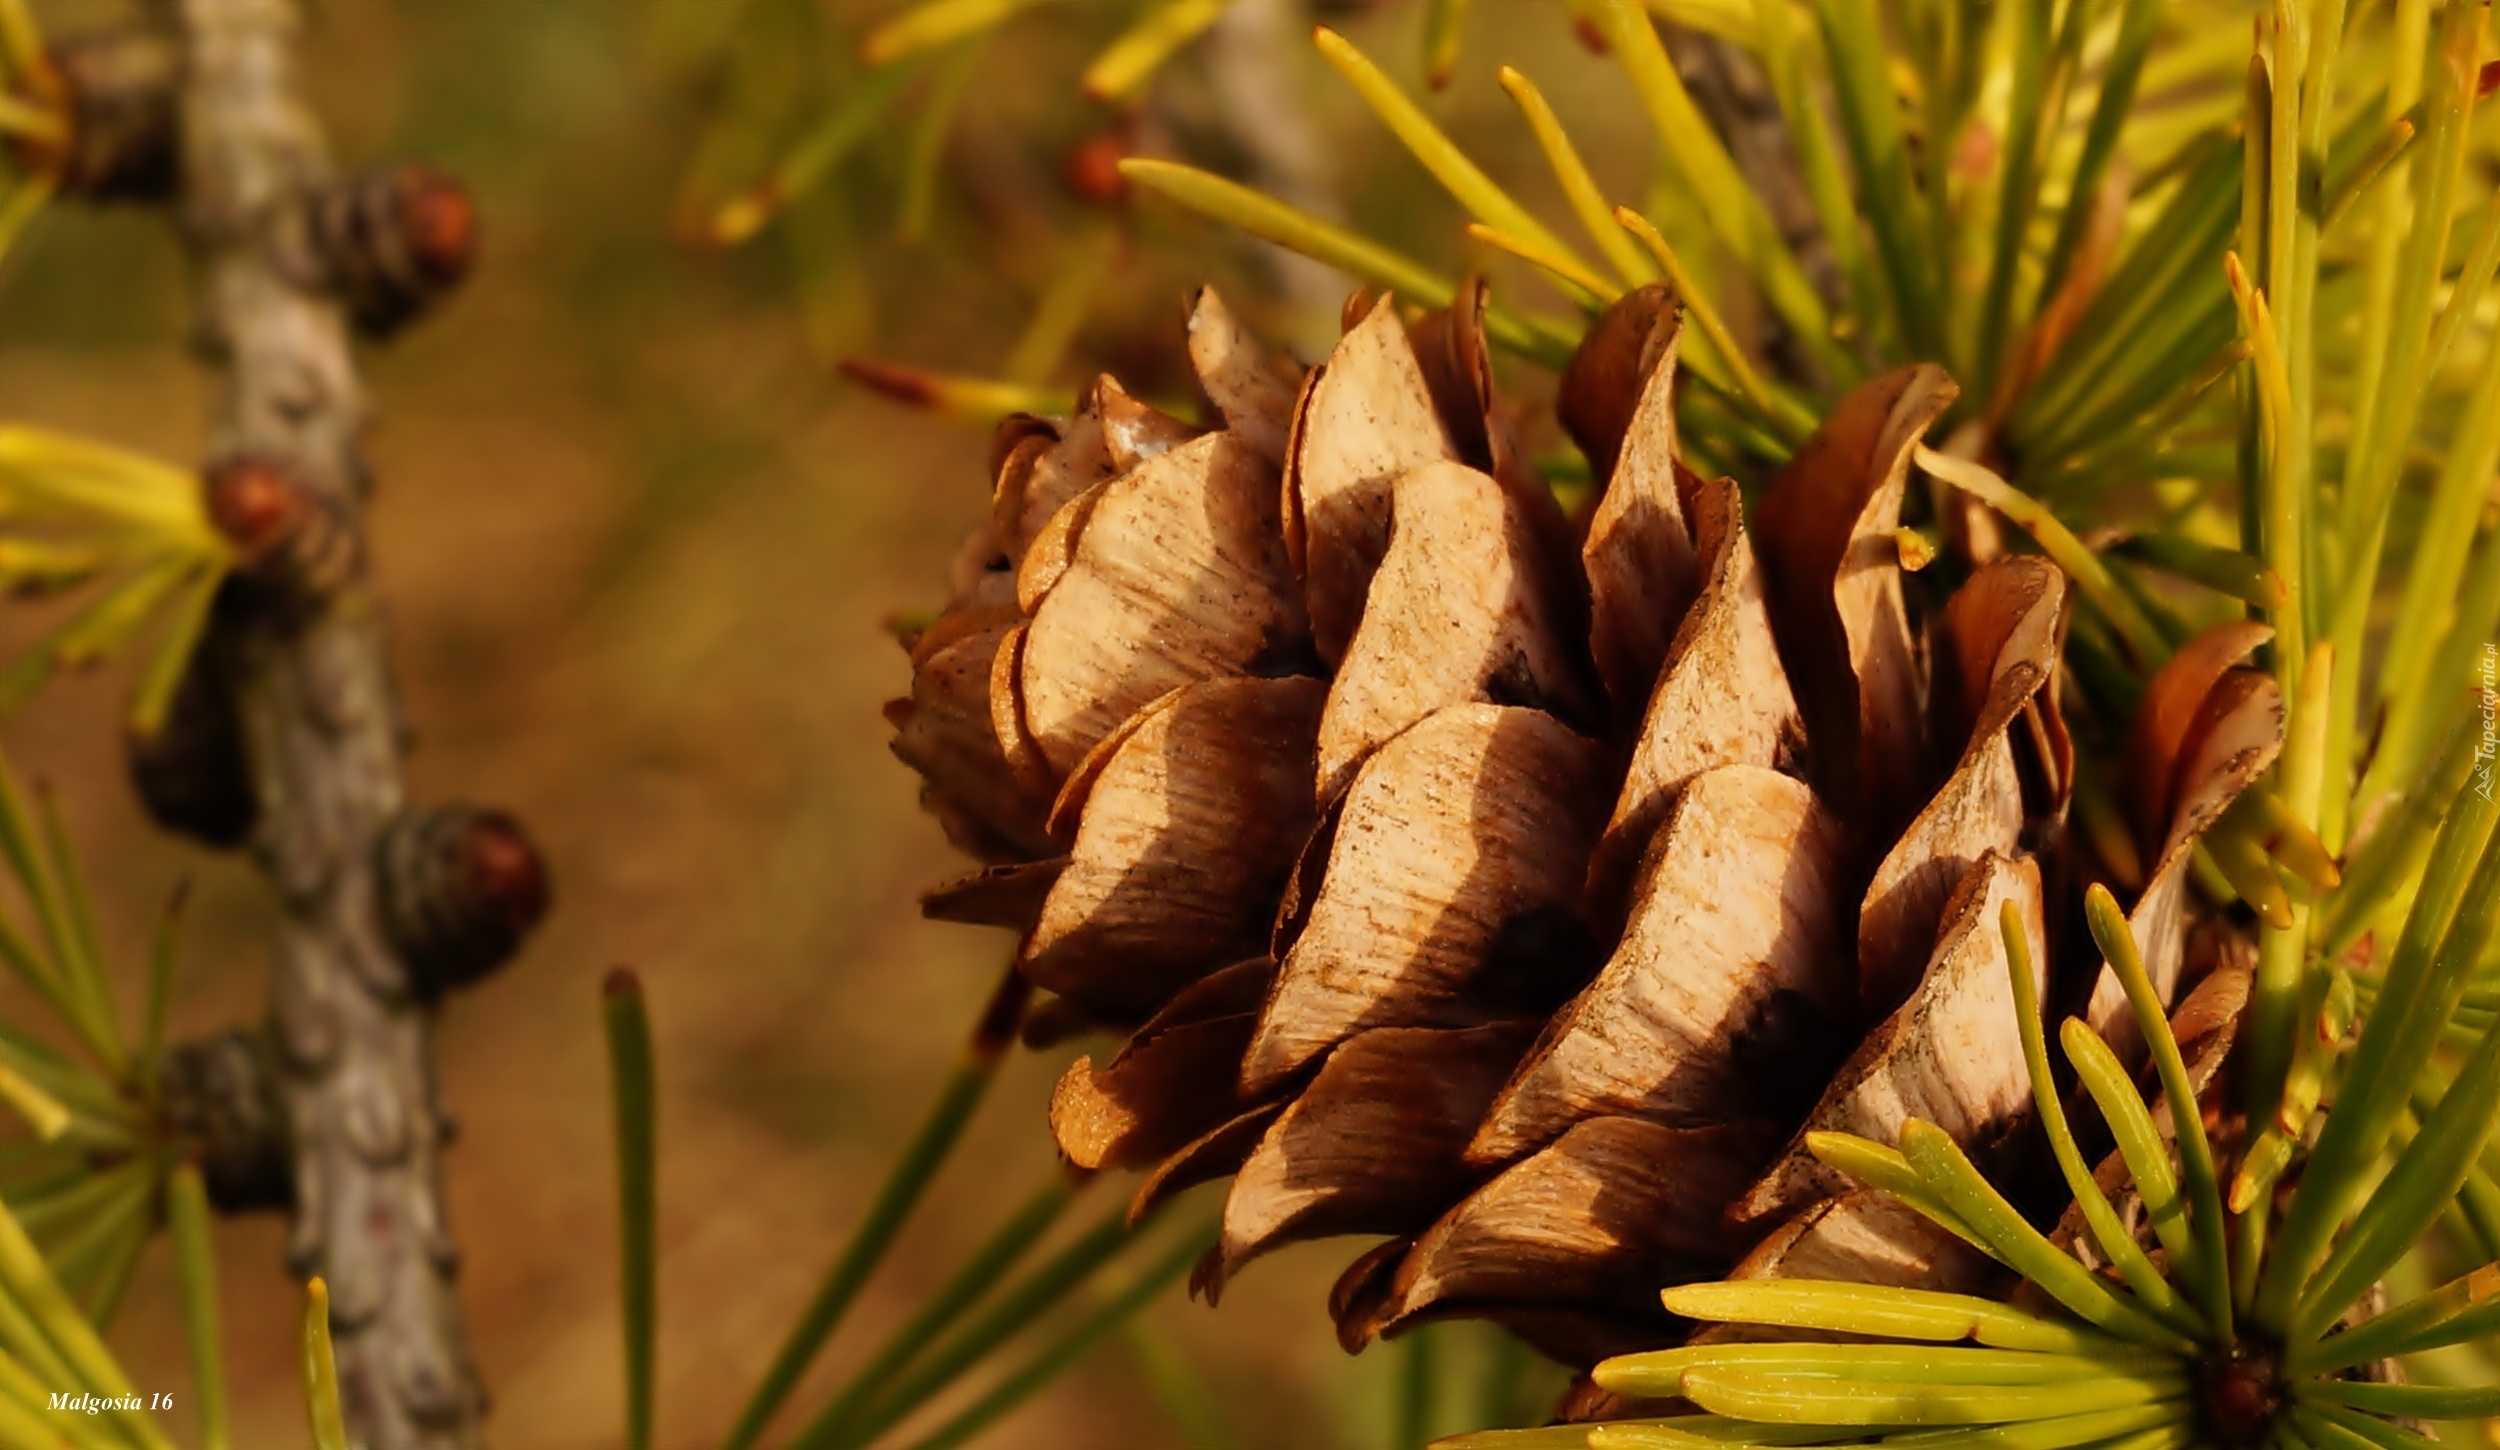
{"points": [[312, 690]]}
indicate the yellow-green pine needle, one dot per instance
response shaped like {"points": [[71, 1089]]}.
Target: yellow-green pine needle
{"points": [[976, 1067], [935, 24], [1549, 1437], [33, 122], [2110, 113], [30, 858], [2397, 135], [939, 1311], [634, 1095], [2459, 893], [195, 1264], [2139, 1143], [2232, 845], [2281, 952], [2447, 529], [2404, 1401], [981, 401], [1059, 314], [1127, 61], [2393, 854], [321, 1372], [1575, 276], [186, 621], [22, 1341], [28, 1421], [2425, 1178], [42, 1111], [1580, 188], [2279, 517], [852, 121], [21, 42], [1787, 418], [1783, 53], [1940, 1160], [28, 1283], [1897, 211], [1884, 1311], [2223, 570], [1271, 220], [1878, 1166], [1734, 208], [99, 629], [2431, 1321], [2333, 1427], [55, 475], [2196, 1158], [2057, 541], [1659, 1374], [83, 957], [2278, 827], [927, 154], [2128, 452], [19, 206], [1069, 1345], [2037, 91], [1445, 33], [1721, 1430], [2117, 1241], [1462, 178], [1873, 1402]]}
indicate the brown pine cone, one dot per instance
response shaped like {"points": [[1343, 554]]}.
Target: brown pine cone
{"points": [[1519, 886]]}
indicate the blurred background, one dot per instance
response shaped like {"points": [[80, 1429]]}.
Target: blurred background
{"points": [[640, 538]]}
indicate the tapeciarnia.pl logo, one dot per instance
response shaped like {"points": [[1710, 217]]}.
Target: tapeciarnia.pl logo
{"points": [[2489, 679]]}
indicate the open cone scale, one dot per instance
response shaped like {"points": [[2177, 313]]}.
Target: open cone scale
{"points": [[1514, 885]]}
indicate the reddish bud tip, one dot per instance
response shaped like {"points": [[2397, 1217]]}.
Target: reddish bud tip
{"points": [[621, 982], [255, 503], [439, 220], [2489, 80], [1093, 169], [903, 385], [1590, 36], [504, 872]]}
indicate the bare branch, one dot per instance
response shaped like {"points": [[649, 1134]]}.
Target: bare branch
{"points": [[311, 692]]}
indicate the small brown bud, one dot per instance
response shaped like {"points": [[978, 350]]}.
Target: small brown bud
{"points": [[256, 504], [115, 93], [1093, 167], [225, 1095], [287, 538], [460, 887], [192, 773], [393, 242]]}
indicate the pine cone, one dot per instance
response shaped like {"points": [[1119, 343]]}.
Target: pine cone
{"points": [[1515, 885]]}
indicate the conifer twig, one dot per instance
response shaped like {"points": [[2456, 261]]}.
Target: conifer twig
{"points": [[311, 686]]}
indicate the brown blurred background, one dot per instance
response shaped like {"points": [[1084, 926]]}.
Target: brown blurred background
{"points": [[638, 539]]}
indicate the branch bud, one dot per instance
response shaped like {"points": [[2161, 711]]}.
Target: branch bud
{"points": [[226, 1096], [460, 888], [1093, 165], [288, 540], [122, 139], [192, 774], [392, 242]]}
